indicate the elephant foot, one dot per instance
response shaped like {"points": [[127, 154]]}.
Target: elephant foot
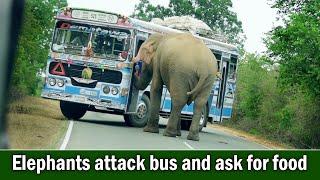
{"points": [[169, 133], [179, 133], [151, 129], [193, 137]]}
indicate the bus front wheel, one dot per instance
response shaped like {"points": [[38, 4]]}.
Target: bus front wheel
{"points": [[73, 110], [185, 124], [142, 115]]}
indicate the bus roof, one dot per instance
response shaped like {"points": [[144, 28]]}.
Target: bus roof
{"points": [[148, 27]]}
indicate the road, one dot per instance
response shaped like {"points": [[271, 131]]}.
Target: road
{"points": [[105, 131]]}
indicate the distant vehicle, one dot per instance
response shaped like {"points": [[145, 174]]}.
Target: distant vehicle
{"points": [[89, 68]]}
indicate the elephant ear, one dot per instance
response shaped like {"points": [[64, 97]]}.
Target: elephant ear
{"points": [[148, 52]]}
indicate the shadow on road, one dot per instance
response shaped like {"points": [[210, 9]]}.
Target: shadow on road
{"points": [[121, 123], [110, 123]]}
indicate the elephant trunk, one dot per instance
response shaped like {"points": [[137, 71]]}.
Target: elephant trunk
{"points": [[141, 81], [137, 58]]}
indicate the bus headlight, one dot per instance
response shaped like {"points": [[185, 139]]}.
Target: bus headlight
{"points": [[114, 91], [60, 82], [52, 81], [106, 89]]}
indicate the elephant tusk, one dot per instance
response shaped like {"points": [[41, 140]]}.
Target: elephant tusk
{"points": [[219, 76], [134, 60]]}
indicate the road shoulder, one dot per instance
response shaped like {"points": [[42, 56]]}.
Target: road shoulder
{"points": [[249, 137], [35, 123]]}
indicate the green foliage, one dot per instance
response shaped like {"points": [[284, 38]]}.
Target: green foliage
{"points": [[283, 102], [263, 108], [216, 13], [248, 88], [290, 6], [296, 45], [33, 45], [146, 11]]}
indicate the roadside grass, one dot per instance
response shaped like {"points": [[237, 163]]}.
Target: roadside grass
{"points": [[251, 136], [35, 123]]}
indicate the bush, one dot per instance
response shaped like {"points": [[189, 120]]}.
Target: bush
{"points": [[302, 119], [33, 44], [262, 107]]}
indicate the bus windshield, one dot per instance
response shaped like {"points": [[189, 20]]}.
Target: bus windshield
{"points": [[75, 39]]}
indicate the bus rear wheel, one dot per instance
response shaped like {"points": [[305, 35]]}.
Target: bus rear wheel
{"points": [[185, 124], [73, 110], [139, 119]]}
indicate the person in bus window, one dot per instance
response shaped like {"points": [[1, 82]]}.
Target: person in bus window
{"points": [[108, 44], [118, 46], [79, 39], [99, 43]]}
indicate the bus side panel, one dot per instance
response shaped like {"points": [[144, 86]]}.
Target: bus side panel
{"points": [[227, 105], [166, 104]]}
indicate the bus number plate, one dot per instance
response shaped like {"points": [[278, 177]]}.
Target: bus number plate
{"points": [[88, 93]]}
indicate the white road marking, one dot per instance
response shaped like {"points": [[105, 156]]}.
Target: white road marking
{"points": [[67, 136], [189, 146]]}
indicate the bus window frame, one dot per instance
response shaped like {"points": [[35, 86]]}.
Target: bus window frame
{"points": [[89, 24]]}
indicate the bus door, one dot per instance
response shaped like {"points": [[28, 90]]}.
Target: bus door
{"points": [[134, 92], [224, 70]]}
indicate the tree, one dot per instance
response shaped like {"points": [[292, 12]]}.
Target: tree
{"points": [[146, 11], [216, 13], [296, 45], [262, 107], [289, 6], [33, 45]]}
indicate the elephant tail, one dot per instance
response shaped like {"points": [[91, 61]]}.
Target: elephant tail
{"points": [[198, 87]]}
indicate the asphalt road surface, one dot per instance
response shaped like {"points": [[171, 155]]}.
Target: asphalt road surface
{"points": [[105, 131]]}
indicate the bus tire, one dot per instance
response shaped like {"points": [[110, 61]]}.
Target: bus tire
{"points": [[185, 124], [141, 118], [73, 110]]}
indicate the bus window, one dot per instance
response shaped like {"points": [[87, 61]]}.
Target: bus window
{"points": [[233, 68], [139, 43], [74, 39], [232, 71], [110, 42], [218, 57], [219, 62]]}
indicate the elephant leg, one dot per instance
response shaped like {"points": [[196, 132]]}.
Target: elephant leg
{"points": [[179, 98], [179, 128], [199, 103], [172, 129], [155, 93]]}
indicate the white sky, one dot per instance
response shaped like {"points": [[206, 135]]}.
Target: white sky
{"points": [[256, 15]]}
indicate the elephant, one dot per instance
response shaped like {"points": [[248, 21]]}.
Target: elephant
{"points": [[187, 67]]}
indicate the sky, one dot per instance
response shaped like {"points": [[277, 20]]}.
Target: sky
{"points": [[257, 16]]}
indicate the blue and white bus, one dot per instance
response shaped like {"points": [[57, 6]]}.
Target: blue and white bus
{"points": [[89, 68]]}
